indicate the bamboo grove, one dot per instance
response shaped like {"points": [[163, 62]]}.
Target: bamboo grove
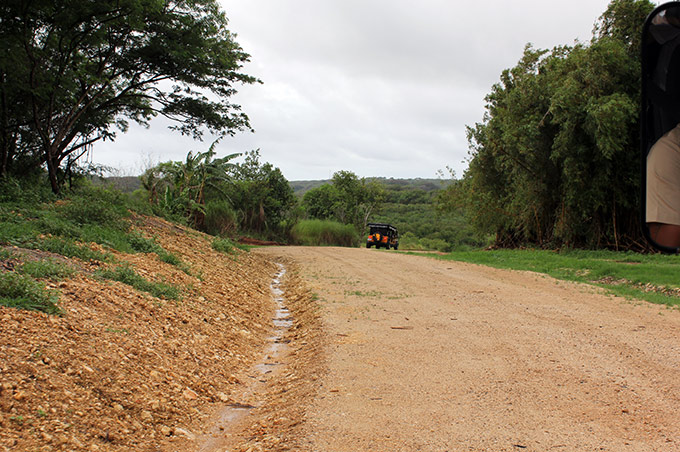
{"points": [[555, 160]]}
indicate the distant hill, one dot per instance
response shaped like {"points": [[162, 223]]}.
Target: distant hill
{"points": [[301, 187], [128, 184]]}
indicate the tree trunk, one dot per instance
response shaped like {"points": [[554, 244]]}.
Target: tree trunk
{"points": [[52, 167]]}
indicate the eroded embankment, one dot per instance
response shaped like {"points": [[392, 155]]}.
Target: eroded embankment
{"points": [[122, 370]]}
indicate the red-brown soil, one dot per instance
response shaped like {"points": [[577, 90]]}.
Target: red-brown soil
{"points": [[121, 370]]}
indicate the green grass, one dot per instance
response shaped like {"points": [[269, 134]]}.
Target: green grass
{"points": [[46, 269], [225, 245], [324, 232], [24, 292], [20, 288], [127, 275], [68, 248], [650, 277], [87, 215], [33, 218]]}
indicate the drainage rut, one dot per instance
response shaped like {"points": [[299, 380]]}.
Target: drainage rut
{"points": [[225, 423]]}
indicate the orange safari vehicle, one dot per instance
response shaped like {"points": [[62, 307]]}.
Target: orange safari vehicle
{"points": [[382, 235]]}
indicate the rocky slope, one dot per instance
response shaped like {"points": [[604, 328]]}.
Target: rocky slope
{"points": [[123, 370]]}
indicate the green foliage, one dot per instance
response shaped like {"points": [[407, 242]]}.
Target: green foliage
{"points": [[46, 269], [23, 292], [96, 206], [180, 187], [220, 218], [347, 199], [27, 190], [141, 244], [419, 208], [127, 275], [71, 72], [555, 161], [224, 245], [261, 195], [322, 202], [88, 214], [69, 248], [220, 197], [324, 232], [651, 277], [410, 241]]}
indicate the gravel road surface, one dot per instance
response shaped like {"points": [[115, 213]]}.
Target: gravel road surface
{"points": [[428, 355]]}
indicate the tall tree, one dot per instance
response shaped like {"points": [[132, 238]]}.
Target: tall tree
{"points": [[261, 194], [185, 184], [348, 199], [73, 71], [554, 161]]}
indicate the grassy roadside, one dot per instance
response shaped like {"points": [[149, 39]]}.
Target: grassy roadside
{"points": [[33, 219], [654, 278]]}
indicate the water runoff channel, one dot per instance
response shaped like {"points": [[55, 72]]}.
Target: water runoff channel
{"points": [[276, 349]]}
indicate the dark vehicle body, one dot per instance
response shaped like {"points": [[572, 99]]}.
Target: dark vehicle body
{"points": [[382, 235]]}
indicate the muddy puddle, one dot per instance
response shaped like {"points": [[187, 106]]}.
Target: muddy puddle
{"points": [[275, 353]]}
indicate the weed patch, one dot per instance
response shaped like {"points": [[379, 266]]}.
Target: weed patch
{"points": [[46, 269], [23, 292], [224, 245], [126, 275], [324, 232], [69, 248]]}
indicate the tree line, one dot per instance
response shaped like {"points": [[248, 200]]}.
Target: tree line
{"points": [[554, 161]]}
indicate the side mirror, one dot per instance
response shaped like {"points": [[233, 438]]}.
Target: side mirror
{"points": [[660, 128]]}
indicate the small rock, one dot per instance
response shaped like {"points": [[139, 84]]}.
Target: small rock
{"points": [[165, 430], [185, 433], [146, 416], [189, 394], [118, 407], [223, 397], [20, 395]]}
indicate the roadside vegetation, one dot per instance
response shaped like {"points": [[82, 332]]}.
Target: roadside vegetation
{"points": [[651, 277], [324, 232], [555, 160], [38, 229]]}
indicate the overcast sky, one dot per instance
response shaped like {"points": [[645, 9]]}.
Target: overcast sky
{"points": [[378, 87]]}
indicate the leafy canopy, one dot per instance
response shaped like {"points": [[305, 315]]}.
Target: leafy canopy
{"points": [[72, 72], [554, 161]]}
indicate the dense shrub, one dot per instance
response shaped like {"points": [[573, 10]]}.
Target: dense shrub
{"points": [[324, 232], [23, 292], [220, 218]]}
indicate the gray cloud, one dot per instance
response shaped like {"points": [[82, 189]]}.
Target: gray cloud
{"points": [[381, 88]]}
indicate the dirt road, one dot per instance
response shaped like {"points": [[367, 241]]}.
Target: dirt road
{"points": [[427, 355]]}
